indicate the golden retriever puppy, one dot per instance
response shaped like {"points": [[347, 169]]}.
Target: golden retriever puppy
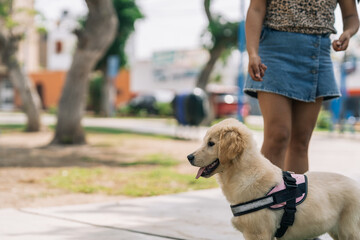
{"points": [[332, 204]]}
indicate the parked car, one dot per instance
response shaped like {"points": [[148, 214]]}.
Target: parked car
{"points": [[226, 104], [144, 102], [157, 102]]}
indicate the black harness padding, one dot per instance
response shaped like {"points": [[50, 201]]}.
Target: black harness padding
{"points": [[288, 217], [288, 195]]}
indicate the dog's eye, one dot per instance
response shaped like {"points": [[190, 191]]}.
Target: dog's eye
{"points": [[210, 144]]}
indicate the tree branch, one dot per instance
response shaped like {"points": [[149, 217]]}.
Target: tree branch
{"points": [[207, 10]]}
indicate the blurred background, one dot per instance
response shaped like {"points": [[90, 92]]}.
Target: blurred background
{"points": [[102, 101], [96, 92], [161, 50]]}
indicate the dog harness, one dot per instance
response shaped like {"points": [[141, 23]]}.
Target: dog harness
{"points": [[286, 195]]}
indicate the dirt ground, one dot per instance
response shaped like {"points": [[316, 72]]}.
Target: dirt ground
{"points": [[26, 159]]}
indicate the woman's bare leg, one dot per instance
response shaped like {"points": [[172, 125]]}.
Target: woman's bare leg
{"points": [[304, 116], [276, 110]]}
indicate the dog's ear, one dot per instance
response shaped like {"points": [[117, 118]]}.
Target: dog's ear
{"points": [[231, 144]]}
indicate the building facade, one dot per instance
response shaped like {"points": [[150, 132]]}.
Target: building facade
{"points": [[46, 58], [28, 53]]}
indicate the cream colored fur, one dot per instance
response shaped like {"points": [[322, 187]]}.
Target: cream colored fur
{"points": [[332, 205]]}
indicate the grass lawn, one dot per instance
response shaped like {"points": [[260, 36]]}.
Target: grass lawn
{"points": [[113, 163], [139, 183]]}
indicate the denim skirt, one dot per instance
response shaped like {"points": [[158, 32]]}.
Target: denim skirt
{"points": [[299, 66]]}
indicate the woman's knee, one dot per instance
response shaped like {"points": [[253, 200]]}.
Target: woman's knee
{"points": [[278, 137], [300, 142]]}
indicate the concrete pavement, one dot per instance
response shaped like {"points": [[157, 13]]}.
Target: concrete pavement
{"points": [[193, 215], [197, 215], [179, 216], [148, 126]]}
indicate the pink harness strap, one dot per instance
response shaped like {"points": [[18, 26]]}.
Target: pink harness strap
{"points": [[286, 195], [299, 179]]}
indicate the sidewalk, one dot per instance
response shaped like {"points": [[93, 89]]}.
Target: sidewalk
{"points": [[194, 215], [137, 125], [197, 215], [164, 127]]}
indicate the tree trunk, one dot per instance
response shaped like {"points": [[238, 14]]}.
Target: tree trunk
{"points": [[108, 97], [108, 94], [204, 76], [30, 99], [93, 41]]}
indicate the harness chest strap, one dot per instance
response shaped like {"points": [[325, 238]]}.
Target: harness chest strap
{"points": [[284, 196]]}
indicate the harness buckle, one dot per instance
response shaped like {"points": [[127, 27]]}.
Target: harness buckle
{"points": [[290, 184], [289, 180]]}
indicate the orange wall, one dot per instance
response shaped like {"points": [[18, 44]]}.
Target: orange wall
{"points": [[52, 83], [122, 84], [355, 92]]}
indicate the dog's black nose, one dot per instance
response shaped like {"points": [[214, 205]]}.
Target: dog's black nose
{"points": [[191, 158]]}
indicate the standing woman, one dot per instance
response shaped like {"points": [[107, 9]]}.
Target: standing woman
{"points": [[289, 39]]}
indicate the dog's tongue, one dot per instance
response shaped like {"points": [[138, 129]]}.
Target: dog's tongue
{"points": [[201, 170]]}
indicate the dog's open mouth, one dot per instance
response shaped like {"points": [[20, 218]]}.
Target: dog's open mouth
{"points": [[206, 171]]}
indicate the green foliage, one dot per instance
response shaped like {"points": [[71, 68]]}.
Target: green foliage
{"points": [[220, 30], [94, 97], [164, 109], [52, 110], [10, 128], [6, 11], [150, 182], [220, 39], [157, 159], [10, 23], [127, 12], [226, 54], [42, 30], [164, 181], [143, 113], [126, 133], [76, 180], [5, 8], [130, 111], [125, 111], [324, 121], [217, 78], [104, 130]]}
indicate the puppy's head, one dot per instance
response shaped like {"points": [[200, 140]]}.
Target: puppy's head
{"points": [[222, 144]]}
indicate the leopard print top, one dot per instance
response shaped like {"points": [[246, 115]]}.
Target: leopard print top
{"points": [[303, 16]]}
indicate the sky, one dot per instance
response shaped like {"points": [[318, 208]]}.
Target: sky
{"points": [[168, 25], [52, 9]]}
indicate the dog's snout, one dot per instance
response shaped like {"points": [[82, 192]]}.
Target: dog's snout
{"points": [[191, 158]]}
